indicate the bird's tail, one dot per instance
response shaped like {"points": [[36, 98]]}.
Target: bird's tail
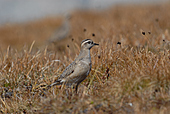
{"points": [[53, 84]]}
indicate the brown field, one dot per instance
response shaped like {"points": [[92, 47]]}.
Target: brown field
{"points": [[133, 77]]}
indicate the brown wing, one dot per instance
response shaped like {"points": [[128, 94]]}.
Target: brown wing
{"points": [[68, 71], [80, 72]]}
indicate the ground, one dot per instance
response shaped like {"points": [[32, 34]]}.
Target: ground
{"points": [[130, 68]]}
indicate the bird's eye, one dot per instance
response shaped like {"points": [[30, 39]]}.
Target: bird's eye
{"points": [[89, 42]]}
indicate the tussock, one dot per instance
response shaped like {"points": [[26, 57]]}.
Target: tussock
{"points": [[130, 69]]}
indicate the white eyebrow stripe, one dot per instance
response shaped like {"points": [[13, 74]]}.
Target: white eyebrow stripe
{"points": [[85, 42]]}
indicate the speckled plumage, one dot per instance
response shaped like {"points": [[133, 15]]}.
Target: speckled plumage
{"points": [[79, 69]]}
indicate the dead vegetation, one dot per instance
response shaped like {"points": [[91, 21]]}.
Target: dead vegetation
{"points": [[130, 69]]}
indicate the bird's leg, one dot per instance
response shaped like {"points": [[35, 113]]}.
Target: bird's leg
{"points": [[77, 87], [72, 88]]}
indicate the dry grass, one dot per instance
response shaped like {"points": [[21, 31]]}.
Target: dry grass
{"points": [[133, 77]]}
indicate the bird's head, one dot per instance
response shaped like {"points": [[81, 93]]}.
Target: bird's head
{"points": [[87, 44]]}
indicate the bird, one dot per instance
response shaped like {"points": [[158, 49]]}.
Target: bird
{"points": [[61, 32], [79, 69]]}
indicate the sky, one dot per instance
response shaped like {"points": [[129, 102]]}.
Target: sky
{"points": [[12, 11]]}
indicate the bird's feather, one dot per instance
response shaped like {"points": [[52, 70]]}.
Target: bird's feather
{"points": [[81, 70], [68, 71]]}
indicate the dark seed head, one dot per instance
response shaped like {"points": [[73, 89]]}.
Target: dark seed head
{"points": [[156, 90], [119, 43], [156, 19], [163, 40], [72, 39], [84, 30], [99, 56], [149, 32], [93, 34], [143, 33], [68, 46]]}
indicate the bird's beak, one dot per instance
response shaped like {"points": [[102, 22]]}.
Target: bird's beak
{"points": [[96, 44]]}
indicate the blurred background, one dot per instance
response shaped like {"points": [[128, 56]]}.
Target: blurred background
{"points": [[23, 11], [54, 21]]}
